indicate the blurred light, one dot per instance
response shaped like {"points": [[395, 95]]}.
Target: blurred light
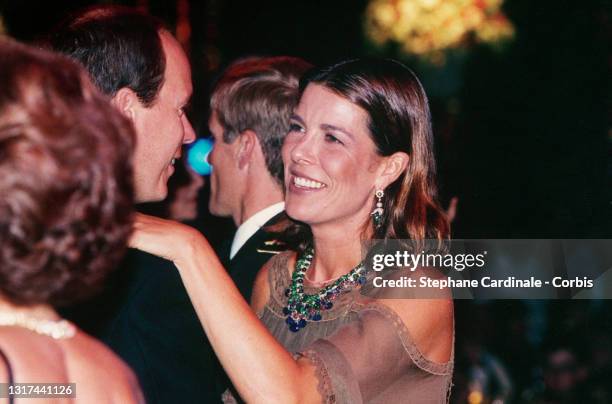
{"points": [[428, 28], [197, 156], [475, 397]]}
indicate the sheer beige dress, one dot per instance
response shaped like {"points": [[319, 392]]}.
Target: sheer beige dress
{"points": [[362, 350]]}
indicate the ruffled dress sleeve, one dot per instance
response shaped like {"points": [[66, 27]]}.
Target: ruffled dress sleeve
{"points": [[373, 359], [361, 349]]}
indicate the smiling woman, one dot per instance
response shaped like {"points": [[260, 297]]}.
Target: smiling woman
{"points": [[360, 142], [364, 118], [331, 161]]}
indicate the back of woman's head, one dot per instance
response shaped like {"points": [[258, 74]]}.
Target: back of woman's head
{"points": [[399, 121], [65, 179]]}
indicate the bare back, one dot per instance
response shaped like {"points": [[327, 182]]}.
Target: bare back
{"points": [[99, 375]]}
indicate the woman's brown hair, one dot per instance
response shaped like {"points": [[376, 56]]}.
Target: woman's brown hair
{"points": [[65, 179], [398, 121]]}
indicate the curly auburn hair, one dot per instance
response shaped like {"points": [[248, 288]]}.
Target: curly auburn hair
{"points": [[65, 179]]}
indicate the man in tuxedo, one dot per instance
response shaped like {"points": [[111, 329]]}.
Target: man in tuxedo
{"points": [[251, 106], [144, 314]]}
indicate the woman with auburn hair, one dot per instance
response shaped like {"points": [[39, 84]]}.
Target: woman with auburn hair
{"points": [[65, 216], [359, 166]]}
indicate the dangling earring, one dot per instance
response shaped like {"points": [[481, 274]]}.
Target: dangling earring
{"points": [[377, 213]]}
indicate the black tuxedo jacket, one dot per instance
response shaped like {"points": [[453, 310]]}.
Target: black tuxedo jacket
{"points": [[243, 269], [247, 262], [145, 316], [157, 332]]}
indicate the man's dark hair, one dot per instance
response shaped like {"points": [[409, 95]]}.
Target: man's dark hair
{"points": [[119, 46], [259, 94]]}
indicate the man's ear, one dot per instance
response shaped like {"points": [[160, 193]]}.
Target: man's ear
{"points": [[126, 100], [247, 145], [392, 167]]}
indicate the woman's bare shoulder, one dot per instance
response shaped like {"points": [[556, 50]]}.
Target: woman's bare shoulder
{"points": [[32, 358], [261, 287], [430, 323], [100, 374]]}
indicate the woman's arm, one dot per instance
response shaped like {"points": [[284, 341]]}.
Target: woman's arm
{"points": [[259, 367]]}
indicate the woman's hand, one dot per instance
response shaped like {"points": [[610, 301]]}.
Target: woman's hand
{"points": [[260, 368], [165, 238]]}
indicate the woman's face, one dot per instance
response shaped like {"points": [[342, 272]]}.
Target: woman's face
{"points": [[331, 165]]}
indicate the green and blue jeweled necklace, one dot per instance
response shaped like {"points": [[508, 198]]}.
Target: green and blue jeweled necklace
{"points": [[302, 307]]}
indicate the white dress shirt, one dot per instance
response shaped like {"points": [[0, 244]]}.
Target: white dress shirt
{"points": [[252, 224]]}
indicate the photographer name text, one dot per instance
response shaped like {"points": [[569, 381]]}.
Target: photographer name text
{"points": [[485, 282]]}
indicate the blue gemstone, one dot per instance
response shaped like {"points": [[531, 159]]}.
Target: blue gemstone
{"points": [[302, 323], [285, 311], [329, 305], [362, 280], [289, 321], [316, 317], [294, 328]]}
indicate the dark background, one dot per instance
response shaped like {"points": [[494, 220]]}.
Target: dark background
{"points": [[523, 135], [523, 139]]}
